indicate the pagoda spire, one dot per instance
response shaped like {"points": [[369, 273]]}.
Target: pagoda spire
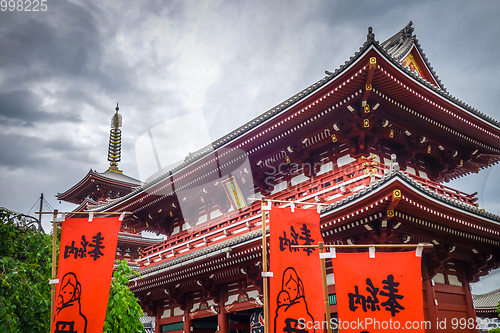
{"points": [[115, 141]]}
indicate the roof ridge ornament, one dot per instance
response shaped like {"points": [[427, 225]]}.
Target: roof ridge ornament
{"points": [[115, 141], [370, 37], [407, 31]]}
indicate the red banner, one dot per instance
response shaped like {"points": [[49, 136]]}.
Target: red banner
{"points": [[379, 294], [86, 257], [296, 294]]}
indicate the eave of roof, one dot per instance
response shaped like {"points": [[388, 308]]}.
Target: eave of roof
{"points": [[120, 177], [487, 301], [301, 96], [104, 177], [140, 239], [85, 203], [402, 177], [205, 253]]}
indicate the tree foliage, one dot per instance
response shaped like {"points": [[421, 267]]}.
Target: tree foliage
{"points": [[496, 330], [123, 311], [25, 269]]}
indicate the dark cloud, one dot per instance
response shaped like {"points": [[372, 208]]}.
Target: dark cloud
{"points": [[60, 41], [38, 153], [23, 108]]}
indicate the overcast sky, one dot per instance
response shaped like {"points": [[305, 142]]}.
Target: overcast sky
{"points": [[63, 70]]}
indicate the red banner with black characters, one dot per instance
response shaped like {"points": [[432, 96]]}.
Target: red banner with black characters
{"points": [[296, 293], [86, 256], [379, 294]]}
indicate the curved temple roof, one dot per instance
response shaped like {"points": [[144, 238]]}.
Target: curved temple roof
{"points": [[487, 301], [103, 177], [399, 45], [392, 50]]}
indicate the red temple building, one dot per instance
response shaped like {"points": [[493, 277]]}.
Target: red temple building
{"points": [[375, 141], [99, 188]]}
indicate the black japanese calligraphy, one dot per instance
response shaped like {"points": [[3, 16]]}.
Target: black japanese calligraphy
{"points": [[371, 302], [76, 251], [286, 242], [356, 298], [305, 236], [97, 245], [81, 252], [391, 304]]}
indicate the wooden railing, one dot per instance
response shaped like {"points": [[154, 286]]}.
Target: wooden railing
{"points": [[327, 187], [448, 191]]}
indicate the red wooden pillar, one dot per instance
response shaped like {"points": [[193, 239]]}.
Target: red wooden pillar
{"points": [[187, 322], [468, 299], [158, 313], [222, 317], [187, 318], [430, 295], [223, 320]]}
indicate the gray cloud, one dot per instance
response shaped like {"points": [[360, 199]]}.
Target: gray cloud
{"points": [[23, 108], [61, 41]]}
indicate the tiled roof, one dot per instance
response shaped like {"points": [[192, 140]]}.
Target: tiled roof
{"points": [[401, 43], [119, 177], [487, 301], [395, 172], [108, 175], [139, 238], [215, 249]]}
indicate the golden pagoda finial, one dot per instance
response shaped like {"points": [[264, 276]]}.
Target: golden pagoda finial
{"points": [[115, 141]]}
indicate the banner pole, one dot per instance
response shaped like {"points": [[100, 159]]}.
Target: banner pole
{"points": [[86, 213], [264, 268], [54, 258], [325, 289]]}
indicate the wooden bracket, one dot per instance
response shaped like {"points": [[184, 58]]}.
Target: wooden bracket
{"points": [[396, 196], [369, 78]]}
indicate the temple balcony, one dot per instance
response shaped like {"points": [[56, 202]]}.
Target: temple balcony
{"points": [[329, 185]]}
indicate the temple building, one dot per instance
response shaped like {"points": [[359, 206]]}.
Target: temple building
{"points": [[99, 188], [374, 141]]}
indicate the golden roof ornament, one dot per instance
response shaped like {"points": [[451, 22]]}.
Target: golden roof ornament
{"points": [[115, 141]]}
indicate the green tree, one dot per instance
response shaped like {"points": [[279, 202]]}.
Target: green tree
{"points": [[496, 330], [123, 311], [25, 268]]}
